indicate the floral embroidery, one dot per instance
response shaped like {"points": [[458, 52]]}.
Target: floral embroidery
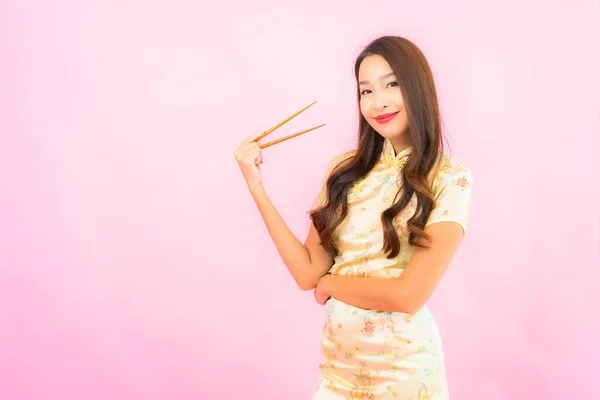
{"points": [[462, 182], [369, 328], [356, 189]]}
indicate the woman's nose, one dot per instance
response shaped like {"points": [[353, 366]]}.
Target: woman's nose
{"points": [[381, 102]]}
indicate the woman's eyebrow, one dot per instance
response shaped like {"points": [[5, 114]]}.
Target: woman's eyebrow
{"points": [[382, 77]]}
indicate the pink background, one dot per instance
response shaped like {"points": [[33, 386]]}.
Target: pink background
{"points": [[134, 264]]}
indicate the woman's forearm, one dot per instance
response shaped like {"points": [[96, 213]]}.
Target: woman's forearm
{"points": [[292, 251], [381, 294]]}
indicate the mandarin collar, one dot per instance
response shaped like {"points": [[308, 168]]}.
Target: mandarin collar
{"points": [[390, 157]]}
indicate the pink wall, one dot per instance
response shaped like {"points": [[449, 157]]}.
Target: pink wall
{"points": [[133, 263]]}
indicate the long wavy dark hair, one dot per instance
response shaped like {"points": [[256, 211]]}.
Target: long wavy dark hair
{"points": [[424, 127]]}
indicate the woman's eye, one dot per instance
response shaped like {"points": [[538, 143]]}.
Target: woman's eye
{"points": [[366, 91], [392, 84]]}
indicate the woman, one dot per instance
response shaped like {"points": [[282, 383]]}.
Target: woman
{"points": [[388, 221]]}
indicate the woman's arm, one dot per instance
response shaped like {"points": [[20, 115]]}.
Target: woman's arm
{"points": [[407, 293], [306, 262]]}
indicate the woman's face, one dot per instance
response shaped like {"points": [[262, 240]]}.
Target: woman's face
{"points": [[381, 102]]}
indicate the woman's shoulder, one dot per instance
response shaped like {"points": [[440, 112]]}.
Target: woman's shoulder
{"points": [[447, 169], [448, 165], [340, 160]]}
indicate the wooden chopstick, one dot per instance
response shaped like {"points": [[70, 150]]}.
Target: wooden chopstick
{"points": [[263, 146], [265, 133]]}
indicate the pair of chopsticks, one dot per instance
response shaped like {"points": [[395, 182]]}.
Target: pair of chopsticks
{"points": [[265, 133]]}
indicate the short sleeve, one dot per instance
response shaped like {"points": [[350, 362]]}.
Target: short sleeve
{"points": [[452, 191], [333, 164]]}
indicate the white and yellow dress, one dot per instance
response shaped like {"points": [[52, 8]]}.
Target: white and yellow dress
{"points": [[373, 355]]}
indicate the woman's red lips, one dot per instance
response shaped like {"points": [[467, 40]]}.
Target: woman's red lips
{"points": [[383, 118]]}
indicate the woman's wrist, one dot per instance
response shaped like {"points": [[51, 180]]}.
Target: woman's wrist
{"points": [[256, 189]]}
